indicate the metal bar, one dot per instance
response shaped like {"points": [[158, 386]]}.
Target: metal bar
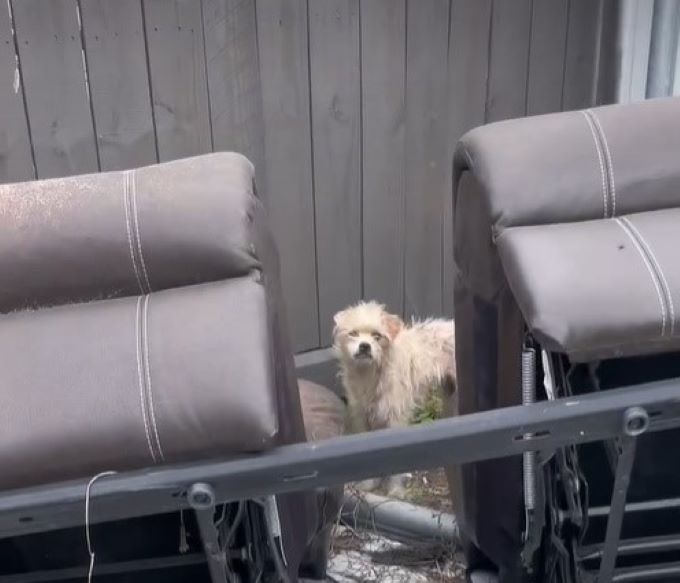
{"points": [[659, 572], [656, 572], [647, 506], [137, 566], [624, 468], [398, 520], [635, 546], [480, 436], [202, 500], [611, 452]]}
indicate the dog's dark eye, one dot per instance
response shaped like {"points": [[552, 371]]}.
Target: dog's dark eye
{"points": [[354, 333], [377, 336]]}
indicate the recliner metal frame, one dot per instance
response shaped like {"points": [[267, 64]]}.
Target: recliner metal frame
{"points": [[545, 427]]}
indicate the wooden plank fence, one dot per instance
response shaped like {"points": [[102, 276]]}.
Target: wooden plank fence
{"points": [[350, 110]]}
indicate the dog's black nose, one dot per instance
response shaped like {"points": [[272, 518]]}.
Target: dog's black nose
{"points": [[364, 348]]}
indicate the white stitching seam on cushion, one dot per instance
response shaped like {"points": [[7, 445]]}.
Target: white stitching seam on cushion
{"points": [[631, 236], [659, 270], [610, 166], [600, 158], [141, 380], [126, 204], [135, 216], [148, 376]]}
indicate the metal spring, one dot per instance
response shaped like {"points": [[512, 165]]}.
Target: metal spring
{"points": [[528, 397]]}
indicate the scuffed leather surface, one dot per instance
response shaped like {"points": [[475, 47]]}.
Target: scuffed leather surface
{"points": [[585, 289], [74, 382], [489, 333], [539, 191], [546, 169], [117, 234], [142, 323], [556, 189]]}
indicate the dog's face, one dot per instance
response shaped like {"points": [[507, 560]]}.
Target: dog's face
{"points": [[363, 334]]}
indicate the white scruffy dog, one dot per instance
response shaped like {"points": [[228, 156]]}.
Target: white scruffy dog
{"points": [[388, 367]]}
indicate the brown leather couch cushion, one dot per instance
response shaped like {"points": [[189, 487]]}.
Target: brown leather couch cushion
{"points": [[585, 212], [117, 234], [599, 289], [142, 322], [577, 165], [128, 383]]}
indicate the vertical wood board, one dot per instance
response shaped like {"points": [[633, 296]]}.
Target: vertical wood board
{"points": [[582, 54], [509, 60], [468, 71], [179, 87], [234, 80], [383, 69], [114, 44], [427, 147], [16, 161], [336, 139], [53, 70], [284, 71], [546, 61]]}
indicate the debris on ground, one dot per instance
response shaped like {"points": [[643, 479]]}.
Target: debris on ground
{"points": [[429, 489], [365, 555]]}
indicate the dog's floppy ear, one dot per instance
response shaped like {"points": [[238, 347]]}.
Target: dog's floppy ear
{"points": [[394, 324], [338, 318], [337, 321]]}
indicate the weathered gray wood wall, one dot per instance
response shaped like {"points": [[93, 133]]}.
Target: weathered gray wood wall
{"points": [[349, 109]]}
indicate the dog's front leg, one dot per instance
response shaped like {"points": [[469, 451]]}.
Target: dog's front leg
{"points": [[396, 484], [359, 424]]}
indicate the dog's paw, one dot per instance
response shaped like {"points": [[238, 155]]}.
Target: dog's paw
{"points": [[368, 485]]}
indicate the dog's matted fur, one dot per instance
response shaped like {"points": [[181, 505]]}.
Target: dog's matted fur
{"points": [[388, 368]]}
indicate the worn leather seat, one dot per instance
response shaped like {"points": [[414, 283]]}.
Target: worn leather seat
{"points": [[565, 225], [141, 324], [589, 242]]}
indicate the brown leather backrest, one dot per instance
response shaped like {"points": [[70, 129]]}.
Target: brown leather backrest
{"points": [[118, 234], [576, 166], [540, 244], [581, 210], [142, 322]]}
